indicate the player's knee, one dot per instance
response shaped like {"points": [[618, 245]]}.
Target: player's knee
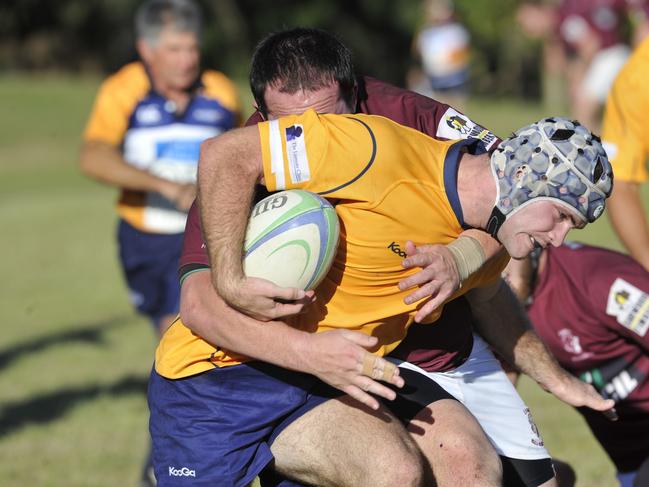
{"points": [[403, 465], [477, 460]]}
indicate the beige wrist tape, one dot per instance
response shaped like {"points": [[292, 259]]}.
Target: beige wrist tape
{"points": [[468, 254]]}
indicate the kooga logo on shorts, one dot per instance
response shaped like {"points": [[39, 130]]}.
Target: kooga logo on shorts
{"points": [[181, 472]]}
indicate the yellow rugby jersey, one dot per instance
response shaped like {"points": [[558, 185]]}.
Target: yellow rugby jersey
{"points": [[390, 184], [625, 131], [129, 114]]}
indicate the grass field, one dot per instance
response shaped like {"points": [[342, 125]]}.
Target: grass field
{"points": [[74, 358]]}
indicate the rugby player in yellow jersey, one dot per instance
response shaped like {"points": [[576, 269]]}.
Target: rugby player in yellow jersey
{"points": [[625, 135], [427, 196]]}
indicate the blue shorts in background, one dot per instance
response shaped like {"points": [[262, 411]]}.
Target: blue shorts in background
{"points": [[216, 428], [150, 266]]}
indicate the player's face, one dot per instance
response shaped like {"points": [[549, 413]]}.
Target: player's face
{"points": [[323, 100], [173, 60], [540, 223]]}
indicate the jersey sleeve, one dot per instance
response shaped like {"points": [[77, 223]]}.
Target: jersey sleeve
{"points": [[427, 115], [194, 252], [295, 148], [117, 97], [625, 132]]}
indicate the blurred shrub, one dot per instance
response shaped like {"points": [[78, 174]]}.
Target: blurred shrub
{"points": [[97, 35]]}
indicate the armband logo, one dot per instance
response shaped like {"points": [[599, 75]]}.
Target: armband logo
{"points": [[298, 162]]}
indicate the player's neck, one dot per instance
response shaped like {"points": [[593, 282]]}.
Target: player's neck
{"points": [[476, 189]]}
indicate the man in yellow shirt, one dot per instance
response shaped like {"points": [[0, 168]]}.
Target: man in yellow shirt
{"points": [[625, 136], [143, 137], [429, 196]]}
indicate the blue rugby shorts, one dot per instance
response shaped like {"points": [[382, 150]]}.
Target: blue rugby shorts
{"points": [[150, 267], [216, 428]]}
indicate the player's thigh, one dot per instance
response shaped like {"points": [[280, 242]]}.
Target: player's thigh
{"points": [[342, 443]]}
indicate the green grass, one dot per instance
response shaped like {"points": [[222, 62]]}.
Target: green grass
{"points": [[74, 358]]}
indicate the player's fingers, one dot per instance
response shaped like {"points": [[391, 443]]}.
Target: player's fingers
{"points": [[361, 396], [365, 341], [288, 293], [420, 259], [428, 308], [417, 279], [380, 369], [286, 309], [369, 386], [425, 291], [611, 414]]}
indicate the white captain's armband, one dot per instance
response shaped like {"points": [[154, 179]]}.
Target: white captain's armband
{"points": [[298, 162], [629, 305]]}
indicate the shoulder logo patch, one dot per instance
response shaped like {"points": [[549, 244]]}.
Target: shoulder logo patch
{"points": [[454, 125], [629, 305]]}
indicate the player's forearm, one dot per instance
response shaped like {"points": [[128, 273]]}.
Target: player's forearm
{"points": [[103, 162], [228, 169], [627, 216], [204, 312], [502, 322]]}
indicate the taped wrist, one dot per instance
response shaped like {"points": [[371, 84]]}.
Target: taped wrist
{"points": [[468, 255]]}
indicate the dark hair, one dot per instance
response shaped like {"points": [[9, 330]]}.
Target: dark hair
{"points": [[301, 59]]}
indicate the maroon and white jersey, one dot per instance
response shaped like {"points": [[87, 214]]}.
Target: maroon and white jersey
{"points": [[591, 308], [602, 18], [448, 341]]}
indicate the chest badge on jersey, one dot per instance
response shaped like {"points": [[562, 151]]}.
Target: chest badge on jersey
{"points": [[629, 305]]}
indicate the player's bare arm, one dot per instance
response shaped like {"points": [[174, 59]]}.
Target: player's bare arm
{"points": [[103, 162], [627, 216], [339, 357], [230, 166], [501, 321]]}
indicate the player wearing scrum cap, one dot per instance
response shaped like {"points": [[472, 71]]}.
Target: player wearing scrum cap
{"points": [[434, 190]]}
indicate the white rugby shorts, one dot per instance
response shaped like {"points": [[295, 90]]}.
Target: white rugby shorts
{"points": [[483, 387]]}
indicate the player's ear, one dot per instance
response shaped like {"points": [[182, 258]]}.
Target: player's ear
{"points": [[144, 50]]}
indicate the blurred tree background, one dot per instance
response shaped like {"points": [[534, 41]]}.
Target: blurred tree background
{"points": [[96, 36]]}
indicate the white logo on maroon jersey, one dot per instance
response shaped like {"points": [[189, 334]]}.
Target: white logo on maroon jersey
{"points": [[570, 341]]}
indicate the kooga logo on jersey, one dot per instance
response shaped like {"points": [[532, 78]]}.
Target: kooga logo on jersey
{"points": [[181, 472]]}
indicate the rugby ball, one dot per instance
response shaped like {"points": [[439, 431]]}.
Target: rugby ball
{"points": [[291, 240]]}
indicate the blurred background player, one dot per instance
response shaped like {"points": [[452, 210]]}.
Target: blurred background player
{"points": [[591, 308], [626, 139], [143, 136], [585, 41], [442, 47]]}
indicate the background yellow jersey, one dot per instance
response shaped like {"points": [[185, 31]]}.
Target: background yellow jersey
{"points": [[626, 119], [390, 184], [154, 137]]}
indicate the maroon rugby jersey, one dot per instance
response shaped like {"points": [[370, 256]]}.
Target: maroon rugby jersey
{"points": [[604, 18], [448, 341], [591, 308]]}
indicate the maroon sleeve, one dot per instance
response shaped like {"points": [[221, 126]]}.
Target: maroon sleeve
{"points": [[194, 253], [436, 119], [254, 119]]}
